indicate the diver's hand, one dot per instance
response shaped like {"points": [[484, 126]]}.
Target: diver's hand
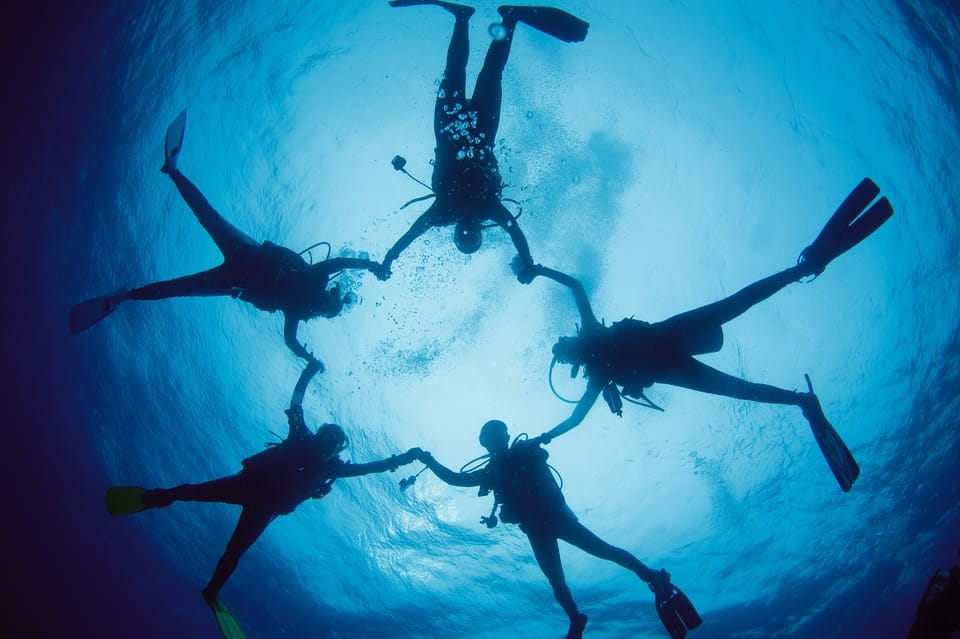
{"points": [[523, 269], [314, 366], [404, 458], [409, 457], [540, 440], [381, 271]]}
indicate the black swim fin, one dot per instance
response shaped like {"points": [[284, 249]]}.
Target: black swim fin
{"points": [[552, 21], [173, 142], [452, 7], [125, 500], [228, 624], [675, 610], [838, 456], [86, 314], [848, 226]]}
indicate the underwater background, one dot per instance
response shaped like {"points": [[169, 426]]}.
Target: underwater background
{"points": [[684, 150]]}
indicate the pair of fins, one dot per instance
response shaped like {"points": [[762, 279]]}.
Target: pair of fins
{"points": [[857, 217], [126, 500], [554, 22], [85, 314], [675, 610]]}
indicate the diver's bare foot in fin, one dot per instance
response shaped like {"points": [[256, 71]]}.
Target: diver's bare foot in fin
{"points": [[459, 10]]}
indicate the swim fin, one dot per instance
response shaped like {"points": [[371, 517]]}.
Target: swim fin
{"points": [[125, 500], [86, 314], [838, 456], [848, 226], [552, 21], [173, 143], [674, 608], [452, 7], [228, 624]]}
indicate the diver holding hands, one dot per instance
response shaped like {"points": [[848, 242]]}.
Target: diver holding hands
{"points": [[269, 276], [271, 483], [527, 494], [466, 178], [621, 360]]}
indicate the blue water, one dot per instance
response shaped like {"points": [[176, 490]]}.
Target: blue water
{"points": [[682, 151]]}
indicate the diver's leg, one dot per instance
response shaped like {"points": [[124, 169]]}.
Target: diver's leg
{"points": [[227, 490], [547, 553], [251, 525], [688, 372], [227, 237], [575, 533], [723, 311], [423, 224], [488, 92], [450, 96], [209, 283]]}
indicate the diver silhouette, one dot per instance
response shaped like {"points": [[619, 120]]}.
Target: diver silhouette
{"points": [[527, 494], [466, 177], [271, 483], [938, 612], [271, 277], [633, 355]]}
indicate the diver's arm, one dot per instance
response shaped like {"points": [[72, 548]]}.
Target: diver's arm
{"points": [[423, 224], [587, 318], [524, 263], [290, 325], [391, 463], [298, 429], [340, 263], [448, 476], [579, 413]]}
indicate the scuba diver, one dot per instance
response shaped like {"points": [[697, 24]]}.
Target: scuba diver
{"points": [[466, 177], [271, 483], [271, 277], [623, 359], [938, 613], [527, 494]]}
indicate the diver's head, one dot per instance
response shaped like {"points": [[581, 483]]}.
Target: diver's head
{"points": [[568, 350], [331, 440], [494, 436], [467, 235], [329, 302]]}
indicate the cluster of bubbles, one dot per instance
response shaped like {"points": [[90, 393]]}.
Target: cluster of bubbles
{"points": [[462, 128]]}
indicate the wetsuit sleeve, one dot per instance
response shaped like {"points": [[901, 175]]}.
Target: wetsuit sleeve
{"points": [[340, 263], [587, 318], [509, 223], [290, 325], [391, 463], [423, 224], [298, 428], [579, 413], [450, 477]]}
